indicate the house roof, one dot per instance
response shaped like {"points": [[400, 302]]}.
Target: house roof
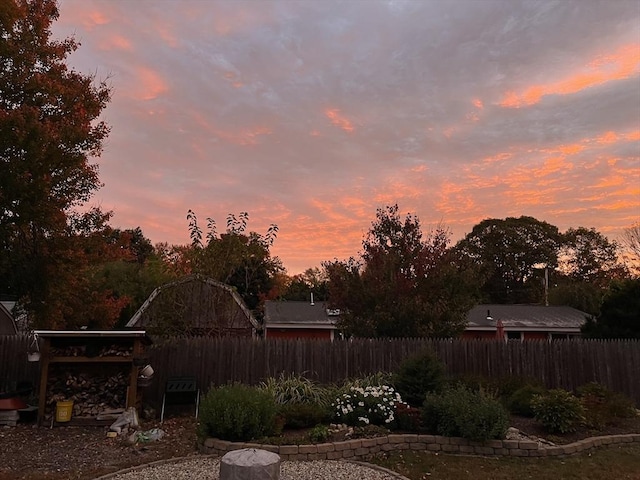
{"points": [[211, 302], [290, 314], [526, 317], [7, 323]]}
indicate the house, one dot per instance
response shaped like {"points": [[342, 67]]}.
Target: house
{"points": [[524, 322], [289, 319], [7, 323], [198, 306]]}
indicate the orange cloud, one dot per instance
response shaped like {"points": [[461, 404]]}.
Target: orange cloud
{"points": [[620, 65], [95, 18], [339, 120], [478, 103], [115, 42], [150, 84]]}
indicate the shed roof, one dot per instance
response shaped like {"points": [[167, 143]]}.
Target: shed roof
{"points": [[211, 302], [7, 322]]}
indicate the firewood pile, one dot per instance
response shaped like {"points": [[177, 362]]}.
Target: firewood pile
{"points": [[92, 394], [92, 351]]}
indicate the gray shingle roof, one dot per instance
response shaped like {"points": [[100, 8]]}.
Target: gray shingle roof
{"points": [[300, 313], [530, 317]]}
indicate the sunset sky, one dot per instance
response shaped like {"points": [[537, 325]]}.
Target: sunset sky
{"points": [[312, 114]]}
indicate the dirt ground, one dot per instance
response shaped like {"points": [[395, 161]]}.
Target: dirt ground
{"points": [[28, 452]]}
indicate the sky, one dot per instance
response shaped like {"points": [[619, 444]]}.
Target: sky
{"points": [[313, 114]]}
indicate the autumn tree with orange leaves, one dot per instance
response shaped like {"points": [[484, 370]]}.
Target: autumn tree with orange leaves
{"points": [[49, 130]]}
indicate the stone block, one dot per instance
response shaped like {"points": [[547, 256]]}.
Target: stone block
{"points": [[442, 440], [395, 438], [450, 448], [340, 446], [484, 450], [288, 449], [418, 446], [467, 449], [325, 447], [516, 452], [369, 442], [434, 447], [307, 449], [334, 455], [528, 445], [382, 440], [510, 444], [427, 438], [554, 451]]}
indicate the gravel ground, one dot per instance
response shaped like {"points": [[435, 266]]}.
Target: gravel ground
{"points": [[207, 468]]}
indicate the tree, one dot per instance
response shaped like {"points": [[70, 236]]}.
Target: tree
{"points": [[242, 260], [619, 314], [630, 241], [511, 255], [588, 256], [48, 132], [301, 286], [402, 285]]}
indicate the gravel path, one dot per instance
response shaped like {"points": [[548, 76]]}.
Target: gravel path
{"points": [[208, 468]]}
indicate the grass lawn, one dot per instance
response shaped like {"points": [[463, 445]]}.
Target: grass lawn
{"points": [[619, 462]]}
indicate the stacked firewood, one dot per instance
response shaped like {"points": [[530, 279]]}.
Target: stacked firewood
{"points": [[91, 351], [91, 394]]}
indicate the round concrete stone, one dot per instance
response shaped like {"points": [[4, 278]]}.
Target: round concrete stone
{"points": [[250, 464]]}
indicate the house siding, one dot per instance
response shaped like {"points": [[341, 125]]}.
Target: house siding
{"points": [[293, 333]]}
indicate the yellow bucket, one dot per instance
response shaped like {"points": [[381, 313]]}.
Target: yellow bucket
{"points": [[64, 410]]}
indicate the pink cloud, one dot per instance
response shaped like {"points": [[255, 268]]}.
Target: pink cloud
{"points": [[624, 63], [149, 84], [339, 120]]}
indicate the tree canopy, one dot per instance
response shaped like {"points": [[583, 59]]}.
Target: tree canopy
{"points": [[49, 130], [402, 285], [237, 258], [510, 254], [619, 314]]}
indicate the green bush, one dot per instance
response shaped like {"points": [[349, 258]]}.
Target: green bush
{"points": [[372, 380], [558, 411], [417, 376], [603, 406], [462, 412], [293, 388], [519, 403], [237, 413], [303, 415], [318, 434]]}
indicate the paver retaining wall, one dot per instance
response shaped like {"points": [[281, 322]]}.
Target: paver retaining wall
{"points": [[365, 447]]}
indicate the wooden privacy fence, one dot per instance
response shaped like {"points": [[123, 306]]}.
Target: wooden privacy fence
{"points": [[216, 361]]}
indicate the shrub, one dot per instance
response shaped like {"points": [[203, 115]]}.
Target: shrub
{"points": [[408, 418], [558, 411], [318, 434], [519, 403], [462, 412], [303, 415], [603, 406], [372, 380], [417, 376], [293, 388], [237, 413], [368, 405]]}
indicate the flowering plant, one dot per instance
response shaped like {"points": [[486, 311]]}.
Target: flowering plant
{"points": [[367, 405]]}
